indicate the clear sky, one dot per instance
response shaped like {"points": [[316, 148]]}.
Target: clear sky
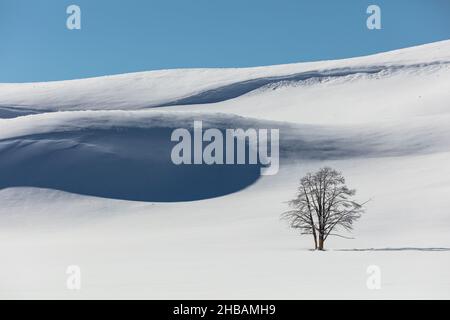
{"points": [[119, 36]]}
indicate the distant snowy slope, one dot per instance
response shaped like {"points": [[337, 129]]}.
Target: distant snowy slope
{"points": [[192, 86], [353, 99]]}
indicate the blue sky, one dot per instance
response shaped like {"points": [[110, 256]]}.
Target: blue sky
{"points": [[138, 35]]}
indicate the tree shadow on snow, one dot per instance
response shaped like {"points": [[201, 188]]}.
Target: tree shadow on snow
{"points": [[397, 249]]}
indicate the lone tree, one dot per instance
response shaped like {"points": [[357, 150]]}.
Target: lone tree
{"points": [[323, 206]]}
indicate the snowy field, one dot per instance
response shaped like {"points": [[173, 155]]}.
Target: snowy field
{"points": [[85, 179]]}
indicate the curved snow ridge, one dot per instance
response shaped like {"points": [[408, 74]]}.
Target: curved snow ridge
{"points": [[343, 79], [198, 86], [220, 94], [11, 112], [388, 138], [126, 155], [238, 89], [110, 119]]}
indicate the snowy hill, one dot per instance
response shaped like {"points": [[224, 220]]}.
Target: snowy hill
{"points": [[194, 86], [92, 184]]}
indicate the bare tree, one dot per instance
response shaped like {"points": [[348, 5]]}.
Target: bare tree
{"points": [[323, 206]]}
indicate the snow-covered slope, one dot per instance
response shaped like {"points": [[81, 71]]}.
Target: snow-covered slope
{"points": [[67, 178], [191, 86]]}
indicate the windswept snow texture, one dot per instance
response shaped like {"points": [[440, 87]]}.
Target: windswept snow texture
{"points": [[86, 179]]}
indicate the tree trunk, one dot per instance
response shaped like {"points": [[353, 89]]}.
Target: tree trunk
{"points": [[321, 242], [315, 240]]}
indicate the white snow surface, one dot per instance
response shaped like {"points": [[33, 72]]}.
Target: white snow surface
{"points": [[386, 116]]}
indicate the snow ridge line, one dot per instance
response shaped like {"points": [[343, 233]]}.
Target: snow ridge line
{"points": [[240, 88], [231, 91]]}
